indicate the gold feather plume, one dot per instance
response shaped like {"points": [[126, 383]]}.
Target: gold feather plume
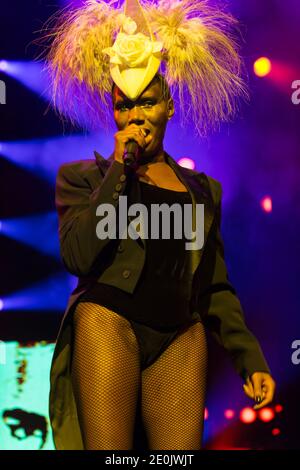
{"points": [[79, 71], [203, 67], [201, 62]]}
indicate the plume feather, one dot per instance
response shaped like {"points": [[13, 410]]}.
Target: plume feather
{"points": [[203, 66], [201, 62]]}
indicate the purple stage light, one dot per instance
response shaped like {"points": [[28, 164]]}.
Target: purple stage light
{"points": [[30, 74], [44, 156], [49, 294], [38, 231], [3, 65]]}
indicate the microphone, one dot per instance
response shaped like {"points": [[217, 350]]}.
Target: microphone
{"points": [[131, 153]]}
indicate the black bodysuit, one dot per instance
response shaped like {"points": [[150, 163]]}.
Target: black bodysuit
{"points": [[159, 305]]}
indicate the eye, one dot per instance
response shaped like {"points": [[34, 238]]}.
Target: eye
{"points": [[148, 104], [121, 106], [124, 106]]}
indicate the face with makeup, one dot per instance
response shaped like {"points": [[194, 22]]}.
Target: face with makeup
{"points": [[144, 119]]}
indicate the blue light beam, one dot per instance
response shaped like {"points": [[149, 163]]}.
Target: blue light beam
{"points": [[44, 156], [31, 74], [38, 231], [50, 294]]}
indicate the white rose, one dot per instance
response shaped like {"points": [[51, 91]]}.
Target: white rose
{"points": [[132, 49]]}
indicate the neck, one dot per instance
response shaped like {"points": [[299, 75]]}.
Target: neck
{"points": [[145, 162]]}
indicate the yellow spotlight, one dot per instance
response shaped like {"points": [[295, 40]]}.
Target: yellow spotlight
{"points": [[262, 67]]}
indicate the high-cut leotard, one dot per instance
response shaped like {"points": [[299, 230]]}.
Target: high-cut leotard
{"points": [[159, 306]]}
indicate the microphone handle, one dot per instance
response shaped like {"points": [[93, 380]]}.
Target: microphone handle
{"points": [[131, 153]]}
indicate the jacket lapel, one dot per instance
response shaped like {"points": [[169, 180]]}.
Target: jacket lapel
{"points": [[198, 187]]}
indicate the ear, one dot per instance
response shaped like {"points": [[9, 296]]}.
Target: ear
{"points": [[170, 108]]}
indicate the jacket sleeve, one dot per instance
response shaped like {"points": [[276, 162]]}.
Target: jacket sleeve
{"points": [[222, 311], [76, 203]]}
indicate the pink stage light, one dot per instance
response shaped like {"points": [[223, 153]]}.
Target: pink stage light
{"points": [[284, 74], [247, 415], [278, 408], [229, 414], [276, 431], [205, 413], [186, 163], [262, 67], [266, 204], [266, 414]]}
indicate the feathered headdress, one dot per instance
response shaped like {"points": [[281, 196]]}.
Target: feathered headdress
{"points": [[188, 41]]}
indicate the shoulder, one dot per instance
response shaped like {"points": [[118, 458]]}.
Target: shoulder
{"points": [[79, 167], [208, 184], [85, 169], [214, 186]]}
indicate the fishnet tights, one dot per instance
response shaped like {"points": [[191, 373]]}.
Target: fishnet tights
{"points": [[107, 377]]}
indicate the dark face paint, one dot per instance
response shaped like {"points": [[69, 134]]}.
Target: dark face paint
{"points": [[150, 111]]}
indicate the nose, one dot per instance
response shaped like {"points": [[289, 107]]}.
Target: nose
{"points": [[136, 116]]}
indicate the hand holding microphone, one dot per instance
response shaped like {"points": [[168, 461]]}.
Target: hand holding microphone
{"points": [[129, 144], [131, 154]]}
